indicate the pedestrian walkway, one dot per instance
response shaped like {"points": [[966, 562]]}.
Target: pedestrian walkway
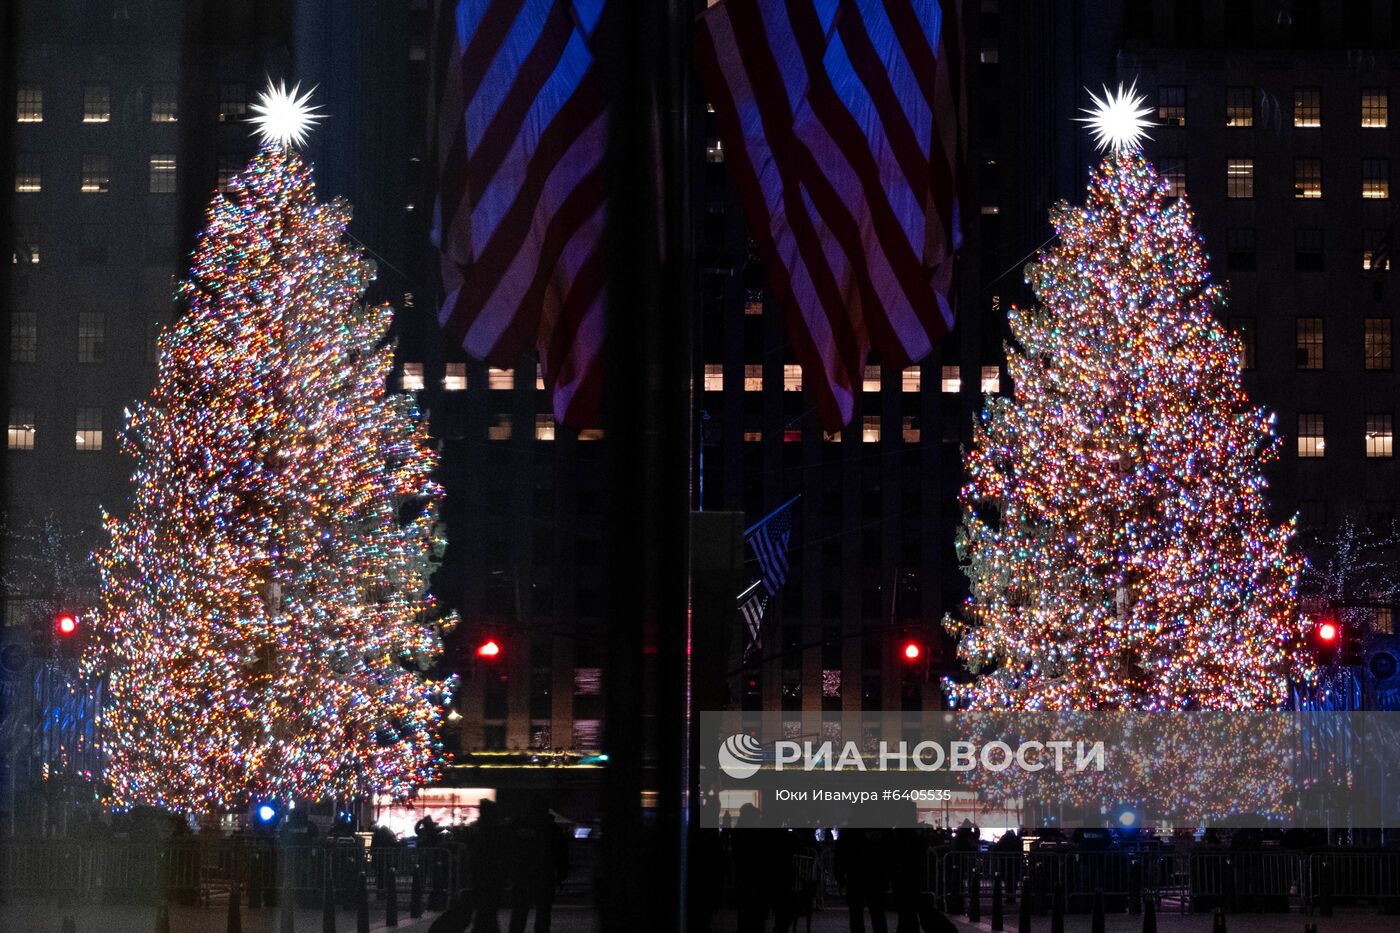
{"points": [[48, 918]]}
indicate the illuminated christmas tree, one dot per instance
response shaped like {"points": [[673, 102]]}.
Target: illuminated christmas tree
{"points": [[1114, 526], [264, 619]]}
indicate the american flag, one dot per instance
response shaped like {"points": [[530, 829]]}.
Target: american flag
{"points": [[842, 123], [752, 602], [522, 132], [769, 539]]}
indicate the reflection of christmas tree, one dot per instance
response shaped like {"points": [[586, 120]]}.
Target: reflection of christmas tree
{"points": [[263, 603], [1114, 523]]}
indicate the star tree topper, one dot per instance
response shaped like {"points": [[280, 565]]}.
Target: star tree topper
{"points": [[1117, 120], [282, 117]]}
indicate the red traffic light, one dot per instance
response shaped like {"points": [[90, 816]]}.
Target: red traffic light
{"points": [[488, 649], [912, 651], [66, 625], [1327, 632]]}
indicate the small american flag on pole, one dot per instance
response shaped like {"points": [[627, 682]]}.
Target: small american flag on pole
{"points": [[769, 538], [752, 602]]}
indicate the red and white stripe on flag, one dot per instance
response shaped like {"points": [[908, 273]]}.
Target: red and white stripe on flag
{"points": [[522, 134], [843, 125]]}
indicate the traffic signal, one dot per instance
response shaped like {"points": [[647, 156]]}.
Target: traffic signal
{"points": [[488, 649], [1327, 639], [66, 625], [912, 651]]}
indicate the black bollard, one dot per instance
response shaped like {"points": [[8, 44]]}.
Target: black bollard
{"points": [[1324, 894], [286, 909], [1135, 886], [328, 903], [391, 900], [362, 904], [415, 893], [1096, 918], [974, 896], [70, 925], [998, 921], [163, 918], [1057, 909], [235, 919], [1023, 912], [1149, 916], [255, 882], [1218, 926]]}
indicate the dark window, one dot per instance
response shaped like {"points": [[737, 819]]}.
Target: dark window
{"points": [[1239, 254], [1239, 106], [1375, 250], [1307, 250], [1377, 343], [1309, 341], [1171, 105]]}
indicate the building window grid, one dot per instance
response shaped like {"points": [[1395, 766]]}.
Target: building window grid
{"points": [[500, 378], [1174, 172], [1380, 433], [1239, 248], [1243, 329], [871, 380], [454, 377], [97, 103], [1171, 105], [499, 429], [88, 433], [165, 104], [950, 380], [714, 377], [29, 104], [1310, 347], [1377, 344], [162, 173], [229, 166], [870, 429], [24, 336], [1375, 179], [29, 176], [753, 377], [1239, 106], [544, 427], [92, 335], [909, 430], [911, 380], [411, 380], [233, 102], [21, 429], [1375, 108], [792, 377], [1307, 250], [1307, 178], [1312, 441], [1239, 178], [1375, 251], [97, 173], [1307, 107], [991, 380]]}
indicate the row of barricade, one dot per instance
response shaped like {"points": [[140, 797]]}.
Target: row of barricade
{"points": [[1189, 880], [196, 874]]}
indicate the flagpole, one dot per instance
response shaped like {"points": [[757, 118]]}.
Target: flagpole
{"points": [[760, 523]]}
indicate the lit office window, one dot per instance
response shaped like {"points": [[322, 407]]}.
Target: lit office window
{"points": [[753, 377], [229, 166], [24, 336], [1239, 178], [591, 434], [1307, 106], [950, 380], [1375, 108], [233, 102], [499, 378], [1171, 105], [1375, 250], [92, 336], [910, 430], [29, 104], [753, 302], [21, 433], [499, 429], [792, 377], [28, 176], [163, 173], [411, 380], [753, 436], [97, 173], [1307, 178], [714, 150], [871, 382], [714, 377], [870, 429], [1307, 250], [912, 379], [97, 103], [544, 426], [991, 379], [1243, 329], [1375, 178], [1379, 434], [1384, 621], [26, 251], [165, 104], [1239, 106], [1309, 342], [89, 429], [831, 437], [1174, 172], [1377, 343], [454, 378], [1311, 430]]}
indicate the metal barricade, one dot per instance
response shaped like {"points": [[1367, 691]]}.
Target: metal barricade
{"points": [[1249, 881], [1353, 878]]}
